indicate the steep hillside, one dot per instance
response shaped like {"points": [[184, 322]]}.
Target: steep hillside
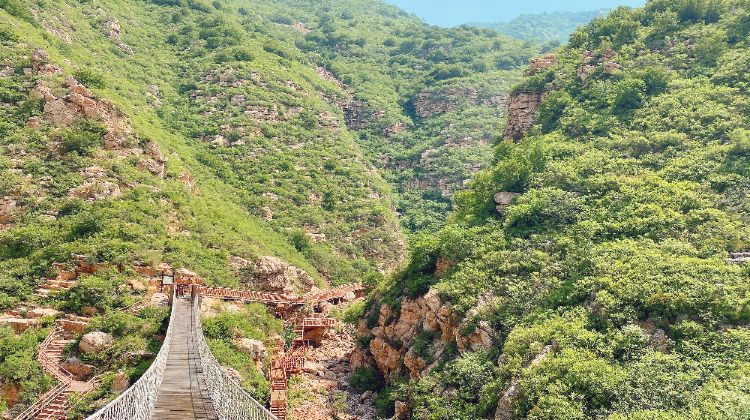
{"points": [[259, 145], [597, 270], [543, 27]]}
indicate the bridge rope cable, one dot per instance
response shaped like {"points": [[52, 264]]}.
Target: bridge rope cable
{"points": [[230, 401], [138, 401]]}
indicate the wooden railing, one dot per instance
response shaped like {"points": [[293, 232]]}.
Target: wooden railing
{"points": [[268, 297], [43, 402]]}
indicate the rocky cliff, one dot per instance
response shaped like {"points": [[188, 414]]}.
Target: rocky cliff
{"points": [[524, 105], [426, 318]]}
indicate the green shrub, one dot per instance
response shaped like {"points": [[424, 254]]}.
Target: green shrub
{"points": [[90, 78], [367, 378]]}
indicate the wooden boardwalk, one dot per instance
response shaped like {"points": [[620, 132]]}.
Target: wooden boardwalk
{"points": [[183, 394]]}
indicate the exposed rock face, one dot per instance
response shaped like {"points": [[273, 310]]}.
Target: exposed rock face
{"points": [[95, 190], [537, 64], [80, 370], [401, 409], [328, 120], [586, 70], [94, 342], [155, 166], [425, 313], [8, 209], [11, 393], [61, 113], [385, 356], [263, 114], [503, 200], [480, 339], [427, 105], [42, 312], [394, 129], [80, 102], [37, 57], [267, 213], [659, 341], [610, 67], [19, 325], [414, 363], [273, 274], [112, 29], [522, 110]]}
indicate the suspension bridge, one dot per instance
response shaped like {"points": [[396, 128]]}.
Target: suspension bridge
{"points": [[185, 381]]}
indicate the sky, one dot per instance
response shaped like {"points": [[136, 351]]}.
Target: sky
{"points": [[455, 12]]}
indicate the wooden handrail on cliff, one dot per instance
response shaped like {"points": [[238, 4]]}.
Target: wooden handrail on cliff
{"points": [[280, 298]]}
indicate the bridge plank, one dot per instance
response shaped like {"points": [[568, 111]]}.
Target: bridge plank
{"points": [[183, 394]]}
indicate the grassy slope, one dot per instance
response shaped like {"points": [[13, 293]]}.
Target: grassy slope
{"points": [[632, 195]]}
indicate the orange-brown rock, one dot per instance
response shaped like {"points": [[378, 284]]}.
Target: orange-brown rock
{"points": [[386, 357], [537, 64], [80, 370], [120, 383], [8, 209], [189, 182], [10, 393], [414, 363], [522, 110]]}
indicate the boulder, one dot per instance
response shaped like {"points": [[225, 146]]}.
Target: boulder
{"points": [[61, 113], [94, 342], [90, 311], [120, 383], [41, 312], [153, 150], [254, 348], [80, 370], [34, 122]]}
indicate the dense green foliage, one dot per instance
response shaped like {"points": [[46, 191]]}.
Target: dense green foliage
{"points": [[543, 27], [632, 195]]}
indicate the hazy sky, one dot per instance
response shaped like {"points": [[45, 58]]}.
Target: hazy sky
{"points": [[456, 12]]}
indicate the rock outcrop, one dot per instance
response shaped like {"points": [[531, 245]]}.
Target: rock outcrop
{"points": [[272, 274], [94, 342], [503, 200], [393, 336], [80, 370], [537, 64], [120, 383], [427, 104], [522, 110]]}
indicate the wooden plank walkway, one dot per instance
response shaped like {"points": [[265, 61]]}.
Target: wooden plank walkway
{"points": [[183, 394]]}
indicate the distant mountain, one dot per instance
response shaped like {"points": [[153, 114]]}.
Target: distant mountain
{"points": [[543, 27]]}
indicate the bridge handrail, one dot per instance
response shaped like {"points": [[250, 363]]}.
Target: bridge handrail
{"points": [[138, 401], [230, 401]]}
